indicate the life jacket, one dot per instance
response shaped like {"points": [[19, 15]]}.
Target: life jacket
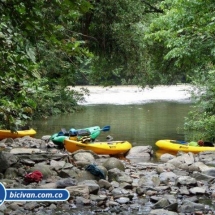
{"points": [[85, 139]]}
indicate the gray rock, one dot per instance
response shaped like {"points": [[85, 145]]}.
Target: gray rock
{"points": [[162, 211], [119, 176], [186, 180], [149, 181], [122, 200], [198, 190], [190, 207], [112, 163], [6, 160], [98, 198], [92, 185], [210, 172], [104, 184], [166, 157], [81, 190], [11, 173], [44, 169], [166, 177], [165, 167], [66, 182]]}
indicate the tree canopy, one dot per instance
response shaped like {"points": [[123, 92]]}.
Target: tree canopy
{"points": [[186, 32], [49, 45]]}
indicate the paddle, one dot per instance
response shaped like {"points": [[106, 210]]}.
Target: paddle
{"points": [[105, 128]]}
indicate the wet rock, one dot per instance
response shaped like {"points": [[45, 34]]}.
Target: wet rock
{"points": [[119, 176], [166, 177], [27, 162], [98, 198], [189, 207], [198, 190], [11, 173], [166, 157], [186, 180], [165, 167], [66, 182], [92, 185], [162, 211], [198, 166], [162, 203], [104, 184], [112, 163], [122, 200], [44, 169], [140, 153], [6, 160], [57, 165], [149, 180], [210, 172], [80, 190]]}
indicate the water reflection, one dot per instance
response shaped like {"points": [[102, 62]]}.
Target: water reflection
{"points": [[142, 124]]}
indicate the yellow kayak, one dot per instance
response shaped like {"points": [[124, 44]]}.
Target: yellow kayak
{"points": [[8, 134], [110, 148], [174, 145]]}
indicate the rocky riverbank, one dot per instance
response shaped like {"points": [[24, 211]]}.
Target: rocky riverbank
{"points": [[181, 184]]}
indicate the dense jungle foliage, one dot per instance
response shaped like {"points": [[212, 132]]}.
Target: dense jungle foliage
{"points": [[47, 46]]}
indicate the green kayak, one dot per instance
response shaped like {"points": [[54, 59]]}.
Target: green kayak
{"points": [[92, 132]]}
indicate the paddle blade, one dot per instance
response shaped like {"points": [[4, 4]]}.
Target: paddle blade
{"points": [[106, 128]]}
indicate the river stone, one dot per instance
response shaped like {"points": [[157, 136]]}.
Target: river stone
{"points": [[149, 181], [162, 211], [198, 190], [210, 172], [57, 164], [92, 185], [166, 157], [122, 200], [136, 151], [65, 173], [166, 177], [62, 183], [81, 190], [6, 160], [104, 184], [112, 163], [165, 167], [186, 180], [162, 203], [190, 207], [119, 176], [26, 151], [11, 173], [84, 156], [44, 169]]}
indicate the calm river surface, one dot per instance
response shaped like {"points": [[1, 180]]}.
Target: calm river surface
{"points": [[141, 116]]}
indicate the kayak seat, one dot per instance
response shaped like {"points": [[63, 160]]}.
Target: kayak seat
{"points": [[178, 141], [208, 144], [83, 132]]}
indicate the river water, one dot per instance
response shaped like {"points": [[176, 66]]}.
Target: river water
{"points": [[141, 116]]}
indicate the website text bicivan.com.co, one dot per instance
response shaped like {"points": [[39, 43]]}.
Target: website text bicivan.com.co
{"points": [[37, 194]]}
